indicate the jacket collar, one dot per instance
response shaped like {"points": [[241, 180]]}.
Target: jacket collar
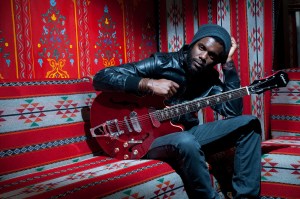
{"points": [[183, 54]]}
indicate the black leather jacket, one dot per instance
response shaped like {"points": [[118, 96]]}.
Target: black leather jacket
{"points": [[171, 66]]}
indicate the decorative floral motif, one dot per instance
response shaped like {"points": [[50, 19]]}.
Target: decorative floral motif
{"points": [[4, 54], [107, 41], [148, 39], [54, 43]]}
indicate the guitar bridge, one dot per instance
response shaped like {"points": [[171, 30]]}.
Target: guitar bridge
{"points": [[109, 128]]}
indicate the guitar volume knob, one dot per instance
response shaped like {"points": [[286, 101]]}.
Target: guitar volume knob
{"points": [[126, 157], [116, 150], [125, 144], [135, 152]]}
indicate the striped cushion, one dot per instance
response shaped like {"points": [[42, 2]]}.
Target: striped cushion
{"points": [[98, 176], [47, 151], [42, 123], [281, 167], [281, 154]]}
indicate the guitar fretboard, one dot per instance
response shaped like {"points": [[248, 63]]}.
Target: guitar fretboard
{"points": [[197, 104]]}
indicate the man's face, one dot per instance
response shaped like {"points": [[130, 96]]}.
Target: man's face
{"points": [[205, 54]]}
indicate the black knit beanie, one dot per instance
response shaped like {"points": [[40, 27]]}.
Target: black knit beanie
{"points": [[209, 30]]}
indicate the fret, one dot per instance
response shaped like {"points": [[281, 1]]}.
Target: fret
{"points": [[207, 102], [187, 107], [197, 104], [171, 112]]}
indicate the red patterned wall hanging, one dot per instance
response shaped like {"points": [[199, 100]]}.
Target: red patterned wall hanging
{"points": [[126, 32], [107, 39], [73, 38], [54, 39]]}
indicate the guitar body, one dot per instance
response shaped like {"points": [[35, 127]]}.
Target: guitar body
{"points": [[124, 126]]}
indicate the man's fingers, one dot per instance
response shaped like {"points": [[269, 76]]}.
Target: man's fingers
{"points": [[173, 90], [175, 84], [164, 87]]}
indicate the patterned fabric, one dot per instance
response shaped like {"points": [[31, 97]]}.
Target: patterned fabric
{"points": [[47, 151], [285, 107], [29, 113], [281, 159], [73, 39], [247, 21], [97, 177], [281, 167]]}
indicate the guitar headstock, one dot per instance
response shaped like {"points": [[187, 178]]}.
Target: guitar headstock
{"points": [[277, 80]]}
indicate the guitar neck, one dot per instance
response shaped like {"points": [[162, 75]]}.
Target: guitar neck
{"points": [[197, 104]]}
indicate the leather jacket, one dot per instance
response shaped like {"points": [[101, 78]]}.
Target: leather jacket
{"points": [[172, 66]]}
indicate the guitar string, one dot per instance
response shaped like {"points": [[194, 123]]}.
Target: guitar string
{"points": [[182, 108]]}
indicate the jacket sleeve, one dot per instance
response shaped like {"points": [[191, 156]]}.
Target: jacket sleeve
{"points": [[123, 78], [231, 81]]}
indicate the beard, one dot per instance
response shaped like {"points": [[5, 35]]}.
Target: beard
{"points": [[194, 71], [191, 70]]}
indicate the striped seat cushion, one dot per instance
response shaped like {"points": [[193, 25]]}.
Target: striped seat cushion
{"points": [[42, 123], [47, 151], [98, 177], [280, 174]]}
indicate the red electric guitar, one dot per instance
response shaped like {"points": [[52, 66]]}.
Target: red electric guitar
{"points": [[126, 125]]}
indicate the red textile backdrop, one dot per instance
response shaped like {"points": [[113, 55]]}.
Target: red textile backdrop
{"points": [[73, 38], [249, 21]]}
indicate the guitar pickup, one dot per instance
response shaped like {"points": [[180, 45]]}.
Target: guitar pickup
{"points": [[135, 122], [135, 141]]}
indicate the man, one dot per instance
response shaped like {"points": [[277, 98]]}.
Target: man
{"points": [[186, 75]]}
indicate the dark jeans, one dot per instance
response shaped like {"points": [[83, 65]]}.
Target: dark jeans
{"points": [[185, 151]]}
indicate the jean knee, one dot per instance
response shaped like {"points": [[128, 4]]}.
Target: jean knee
{"points": [[177, 145], [253, 123], [187, 144]]}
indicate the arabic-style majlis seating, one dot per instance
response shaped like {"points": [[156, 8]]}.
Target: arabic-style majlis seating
{"points": [[47, 150]]}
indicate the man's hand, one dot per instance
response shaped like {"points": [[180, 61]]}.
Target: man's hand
{"points": [[163, 87], [232, 49]]}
